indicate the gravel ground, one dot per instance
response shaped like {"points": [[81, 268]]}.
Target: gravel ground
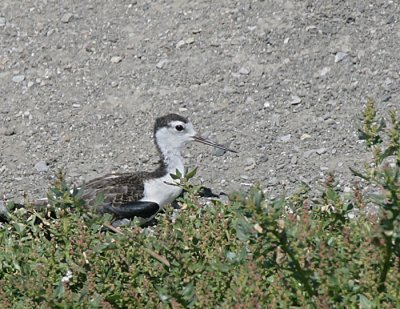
{"points": [[283, 82]]}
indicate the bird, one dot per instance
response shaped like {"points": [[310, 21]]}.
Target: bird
{"points": [[143, 194]]}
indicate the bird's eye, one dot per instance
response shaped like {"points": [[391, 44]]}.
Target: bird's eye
{"points": [[179, 127]]}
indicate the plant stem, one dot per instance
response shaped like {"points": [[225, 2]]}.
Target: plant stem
{"points": [[303, 278], [388, 241], [386, 264]]}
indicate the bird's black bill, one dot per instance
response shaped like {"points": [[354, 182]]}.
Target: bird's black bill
{"points": [[211, 143]]}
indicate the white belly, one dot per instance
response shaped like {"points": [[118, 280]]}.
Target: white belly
{"points": [[161, 190]]}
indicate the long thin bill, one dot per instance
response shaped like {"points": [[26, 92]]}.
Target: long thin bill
{"points": [[211, 143]]}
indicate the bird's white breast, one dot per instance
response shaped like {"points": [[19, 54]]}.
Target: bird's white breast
{"points": [[161, 190]]}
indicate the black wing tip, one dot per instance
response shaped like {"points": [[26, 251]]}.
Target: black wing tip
{"points": [[142, 209]]}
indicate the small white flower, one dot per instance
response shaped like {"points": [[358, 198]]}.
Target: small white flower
{"points": [[67, 277]]}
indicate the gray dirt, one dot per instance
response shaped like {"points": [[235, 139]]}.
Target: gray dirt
{"points": [[283, 82]]}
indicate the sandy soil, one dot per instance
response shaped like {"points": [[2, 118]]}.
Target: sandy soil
{"points": [[283, 82]]}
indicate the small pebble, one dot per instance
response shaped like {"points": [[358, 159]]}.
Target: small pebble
{"points": [[311, 28], [308, 153], [295, 100], [8, 131], [18, 50], [116, 59], [50, 32], [273, 181], [284, 138], [305, 136], [18, 78], [218, 152], [250, 164], [2, 21], [321, 151], [258, 228], [41, 166], [351, 215], [215, 44], [122, 222], [161, 63], [324, 71], [280, 166], [347, 190], [249, 101], [327, 116], [244, 71], [340, 56], [180, 44], [66, 18], [267, 104]]}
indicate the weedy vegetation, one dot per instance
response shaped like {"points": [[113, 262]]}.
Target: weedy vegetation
{"points": [[297, 251]]}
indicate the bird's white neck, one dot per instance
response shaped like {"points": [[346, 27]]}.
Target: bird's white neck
{"points": [[170, 148], [173, 161]]}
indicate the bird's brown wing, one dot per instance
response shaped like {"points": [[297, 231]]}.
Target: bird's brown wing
{"points": [[119, 194], [115, 189]]}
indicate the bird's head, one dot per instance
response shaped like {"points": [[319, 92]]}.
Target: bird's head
{"points": [[174, 131]]}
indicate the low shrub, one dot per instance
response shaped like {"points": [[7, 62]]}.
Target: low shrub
{"points": [[296, 251]]}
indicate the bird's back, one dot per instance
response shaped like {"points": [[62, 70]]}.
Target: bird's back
{"points": [[115, 189]]}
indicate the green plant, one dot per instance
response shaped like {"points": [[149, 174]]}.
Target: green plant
{"points": [[385, 174], [304, 250]]}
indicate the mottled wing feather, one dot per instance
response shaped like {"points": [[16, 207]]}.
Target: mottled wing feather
{"points": [[117, 189]]}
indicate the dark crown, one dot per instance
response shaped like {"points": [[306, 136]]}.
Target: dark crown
{"points": [[165, 120]]}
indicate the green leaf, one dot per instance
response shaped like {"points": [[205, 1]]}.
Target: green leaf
{"points": [[332, 195], [331, 241], [99, 199], [16, 265], [224, 268], [192, 173], [388, 152], [163, 294], [243, 229], [365, 303], [177, 175], [362, 135], [257, 196], [188, 292], [231, 256], [377, 199], [19, 227], [59, 291], [358, 174], [382, 124]]}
